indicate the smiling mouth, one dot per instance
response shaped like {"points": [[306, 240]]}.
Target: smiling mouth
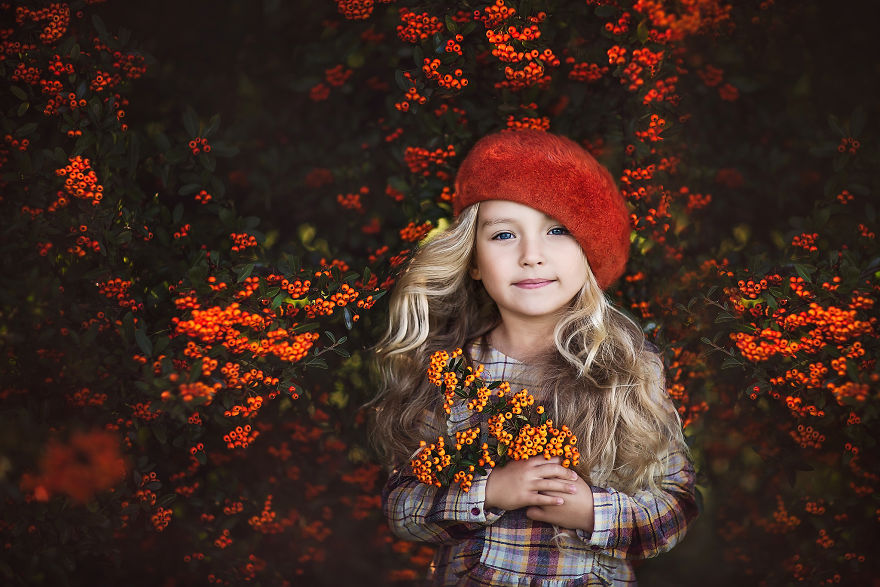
{"points": [[533, 283]]}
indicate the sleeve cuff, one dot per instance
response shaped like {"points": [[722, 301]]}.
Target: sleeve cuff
{"points": [[475, 504], [603, 509]]}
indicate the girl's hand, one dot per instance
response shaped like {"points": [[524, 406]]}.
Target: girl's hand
{"points": [[532, 482], [575, 513]]}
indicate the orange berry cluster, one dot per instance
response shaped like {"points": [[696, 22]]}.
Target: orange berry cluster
{"points": [[56, 16], [494, 14], [21, 145], [517, 428], [142, 411], [417, 27], [453, 45], [831, 324], [430, 460], [266, 522], [865, 232], [413, 232], [355, 9], [693, 17], [80, 181], [806, 241], [319, 92], [182, 232], [338, 75], [203, 197], [621, 26], [754, 349], [585, 72], [353, 201], [782, 521], [845, 197], [848, 145], [161, 518], [850, 390], [664, 89], [412, 95], [132, 65], [246, 411], [824, 541], [117, 288], [28, 75], [223, 325], [728, 92], [240, 437], [807, 437], [223, 540], [82, 244], [637, 174], [296, 288], [465, 437], [242, 241], [438, 365], [642, 59], [525, 440], [537, 123], [655, 127], [453, 81], [420, 160], [104, 80], [86, 397], [478, 403], [199, 144], [696, 201], [249, 286], [617, 55], [711, 75]]}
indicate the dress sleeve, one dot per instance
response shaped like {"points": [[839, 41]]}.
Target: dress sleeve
{"points": [[645, 524], [426, 513]]}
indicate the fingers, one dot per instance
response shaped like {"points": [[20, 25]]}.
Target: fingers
{"points": [[548, 485], [539, 499], [537, 513], [549, 469]]}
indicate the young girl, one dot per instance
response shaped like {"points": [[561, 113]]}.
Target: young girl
{"points": [[517, 282]]}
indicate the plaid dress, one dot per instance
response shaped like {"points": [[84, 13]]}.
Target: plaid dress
{"points": [[480, 546]]}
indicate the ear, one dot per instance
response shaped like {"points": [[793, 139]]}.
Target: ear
{"points": [[474, 273]]}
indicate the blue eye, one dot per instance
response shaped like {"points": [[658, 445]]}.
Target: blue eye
{"points": [[500, 234], [562, 228]]}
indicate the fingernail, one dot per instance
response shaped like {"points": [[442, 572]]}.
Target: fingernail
{"points": [[559, 501], [572, 489]]}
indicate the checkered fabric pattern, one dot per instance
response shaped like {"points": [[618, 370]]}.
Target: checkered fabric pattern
{"points": [[480, 546]]}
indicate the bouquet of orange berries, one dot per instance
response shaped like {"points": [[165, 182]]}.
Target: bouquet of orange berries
{"points": [[515, 427]]}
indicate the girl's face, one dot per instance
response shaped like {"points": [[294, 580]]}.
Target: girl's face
{"points": [[529, 263]]}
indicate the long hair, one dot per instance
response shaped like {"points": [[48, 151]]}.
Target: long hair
{"points": [[598, 377]]}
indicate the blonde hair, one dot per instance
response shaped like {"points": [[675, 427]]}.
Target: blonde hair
{"points": [[598, 377]]}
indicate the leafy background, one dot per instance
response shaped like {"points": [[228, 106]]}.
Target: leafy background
{"points": [[185, 358]]}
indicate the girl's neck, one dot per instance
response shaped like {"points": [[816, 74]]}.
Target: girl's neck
{"points": [[520, 343]]}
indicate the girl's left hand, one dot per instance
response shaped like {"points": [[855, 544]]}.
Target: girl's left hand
{"points": [[575, 513]]}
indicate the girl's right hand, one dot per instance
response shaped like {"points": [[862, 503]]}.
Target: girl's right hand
{"points": [[521, 483]]}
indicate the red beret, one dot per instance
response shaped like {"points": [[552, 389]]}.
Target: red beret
{"points": [[554, 175]]}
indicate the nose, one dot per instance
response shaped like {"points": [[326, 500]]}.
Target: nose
{"points": [[532, 252]]}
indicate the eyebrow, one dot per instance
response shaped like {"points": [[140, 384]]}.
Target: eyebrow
{"points": [[495, 221]]}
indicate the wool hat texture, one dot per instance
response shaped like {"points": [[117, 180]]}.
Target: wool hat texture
{"points": [[556, 176]]}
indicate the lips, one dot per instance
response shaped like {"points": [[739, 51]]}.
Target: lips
{"points": [[533, 283]]}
